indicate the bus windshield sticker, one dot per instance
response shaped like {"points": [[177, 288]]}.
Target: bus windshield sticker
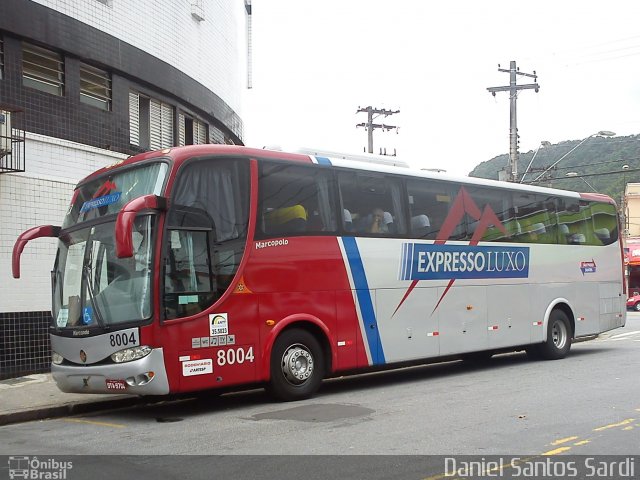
{"points": [[448, 262], [100, 202], [63, 317], [219, 324], [186, 299], [87, 315]]}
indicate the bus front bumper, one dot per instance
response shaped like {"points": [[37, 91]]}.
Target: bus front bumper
{"points": [[146, 376]]}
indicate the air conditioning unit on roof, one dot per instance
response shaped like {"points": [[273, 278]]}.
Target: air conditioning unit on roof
{"points": [[366, 157]]}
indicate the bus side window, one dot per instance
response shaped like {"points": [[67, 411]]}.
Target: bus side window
{"points": [[430, 205], [295, 200], [371, 204], [498, 206], [189, 279]]}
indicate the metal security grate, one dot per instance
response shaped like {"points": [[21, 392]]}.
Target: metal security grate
{"points": [[95, 87], [12, 140], [42, 69]]}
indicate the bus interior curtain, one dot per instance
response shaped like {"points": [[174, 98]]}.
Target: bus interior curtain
{"points": [[396, 195], [324, 202], [212, 190]]}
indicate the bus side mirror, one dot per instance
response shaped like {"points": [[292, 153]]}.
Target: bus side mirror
{"points": [[126, 216], [26, 237]]}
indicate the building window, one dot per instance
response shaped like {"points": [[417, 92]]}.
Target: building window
{"points": [[95, 87], [150, 122], [216, 135], [42, 69], [192, 131]]}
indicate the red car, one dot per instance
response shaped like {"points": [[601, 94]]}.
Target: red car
{"points": [[633, 301]]}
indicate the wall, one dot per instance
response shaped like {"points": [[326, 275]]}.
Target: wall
{"points": [[172, 34]]}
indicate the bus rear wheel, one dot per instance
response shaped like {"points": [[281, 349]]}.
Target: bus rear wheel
{"points": [[558, 342], [297, 365]]}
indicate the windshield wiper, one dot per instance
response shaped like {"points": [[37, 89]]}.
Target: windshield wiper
{"points": [[86, 273]]}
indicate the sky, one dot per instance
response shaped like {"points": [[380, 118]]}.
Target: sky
{"points": [[315, 62]]}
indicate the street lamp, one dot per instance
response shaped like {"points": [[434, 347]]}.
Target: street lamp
{"points": [[601, 133], [575, 174], [543, 143]]}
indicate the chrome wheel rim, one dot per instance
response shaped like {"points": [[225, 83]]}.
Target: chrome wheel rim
{"points": [[559, 335], [297, 364]]}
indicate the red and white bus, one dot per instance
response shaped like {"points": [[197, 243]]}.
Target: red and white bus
{"points": [[213, 266]]}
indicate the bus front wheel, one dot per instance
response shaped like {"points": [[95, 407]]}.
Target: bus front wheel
{"points": [[558, 342], [297, 365]]}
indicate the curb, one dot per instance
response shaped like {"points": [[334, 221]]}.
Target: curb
{"points": [[68, 409]]}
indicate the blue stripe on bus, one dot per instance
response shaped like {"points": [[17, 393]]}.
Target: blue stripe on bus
{"points": [[364, 300], [323, 161]]}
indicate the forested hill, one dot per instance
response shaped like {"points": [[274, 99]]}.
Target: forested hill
{"points": [[599, 160]]}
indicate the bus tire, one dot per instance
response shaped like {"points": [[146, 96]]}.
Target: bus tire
{"points": [[558, 341], [297, 365]]}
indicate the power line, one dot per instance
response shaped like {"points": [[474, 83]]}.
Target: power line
{"points": [[572, 167], [585, 175]]}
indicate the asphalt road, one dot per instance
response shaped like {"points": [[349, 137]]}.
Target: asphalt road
{"points": [[585, 404]]}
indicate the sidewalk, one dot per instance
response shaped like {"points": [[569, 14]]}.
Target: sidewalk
{"points": [[35, 397]]}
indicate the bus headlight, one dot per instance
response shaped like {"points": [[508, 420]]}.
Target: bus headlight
{"points": [[56, 358], [130, 354]]}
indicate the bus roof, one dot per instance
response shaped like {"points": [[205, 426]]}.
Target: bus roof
{"points": [[371, 163]]}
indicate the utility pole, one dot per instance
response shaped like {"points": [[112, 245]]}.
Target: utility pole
{"points": [[512, 173], [369, 126]]}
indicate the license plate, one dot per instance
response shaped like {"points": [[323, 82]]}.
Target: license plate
{"points": [[116, 384]]}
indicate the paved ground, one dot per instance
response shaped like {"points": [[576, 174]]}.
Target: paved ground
{"points": [[37, 396]]}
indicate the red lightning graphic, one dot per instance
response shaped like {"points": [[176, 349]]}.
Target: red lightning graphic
{"points": [[463, 204], [106, 187]]}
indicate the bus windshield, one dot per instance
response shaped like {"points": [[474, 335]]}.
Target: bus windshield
{"points": [[107, 194], [94, 288]]}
